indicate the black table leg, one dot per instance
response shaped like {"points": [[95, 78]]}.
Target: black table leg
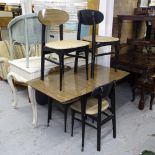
{"points": [[65, 118], [83, 109], [49, 111]]}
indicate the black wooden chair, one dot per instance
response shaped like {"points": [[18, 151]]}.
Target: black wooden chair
{"points": [[52, 17], [102, 101], [92, 18]]}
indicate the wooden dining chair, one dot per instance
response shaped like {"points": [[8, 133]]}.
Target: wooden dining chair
{"points": [[92, 18], [52, 17], [102, 101]]}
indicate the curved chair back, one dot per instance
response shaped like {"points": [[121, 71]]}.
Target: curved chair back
{"points": [[25, 29], [24, 25], [53, 17], [105, 92], [90, 17]]}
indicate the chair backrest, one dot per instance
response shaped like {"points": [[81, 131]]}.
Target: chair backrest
{"points": [[52, 17], [89, 17], [106, 91], [25, 27]]}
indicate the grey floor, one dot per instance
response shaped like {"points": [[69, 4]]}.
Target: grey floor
{"points": [[135, 129]]}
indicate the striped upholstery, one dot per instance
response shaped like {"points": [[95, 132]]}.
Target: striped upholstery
{"points": [[4, 70], [4, 56]]}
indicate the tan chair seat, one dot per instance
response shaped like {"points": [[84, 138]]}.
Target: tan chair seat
{"points": [[66, 44], [91, 107], [101, 39]]}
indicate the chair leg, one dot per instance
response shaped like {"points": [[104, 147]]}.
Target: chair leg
{"points": [[151, 101], [132, 84], [73, 115], [83, 132], [83, 108], [93, 120], [133, 93], [113, 112], [61, 65], [87, 56], [42, 65], [116, 55], [65, 118], [114, 126], [49, 111], [76, 62], [92, 64], [99, 131]]}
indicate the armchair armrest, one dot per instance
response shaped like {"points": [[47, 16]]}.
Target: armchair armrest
{"points": [[2, 59], [3, 68]]}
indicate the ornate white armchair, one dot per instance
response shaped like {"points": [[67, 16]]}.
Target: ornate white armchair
{"points": [[26, 31]]}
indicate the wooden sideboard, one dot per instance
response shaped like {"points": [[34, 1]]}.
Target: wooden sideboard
{"points": [[5, 18], [138, 63], [7, 14], [134, 18]]}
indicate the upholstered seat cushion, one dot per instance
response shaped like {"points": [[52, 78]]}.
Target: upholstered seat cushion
{"points": [[66, 44], [101, 39], [91, 107]]}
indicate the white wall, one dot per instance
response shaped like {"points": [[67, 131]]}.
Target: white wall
{"points": [[105, 28], [26, 6]]}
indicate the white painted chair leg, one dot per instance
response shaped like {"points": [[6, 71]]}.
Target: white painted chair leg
{"points": [[31, 93], [14, 91]]}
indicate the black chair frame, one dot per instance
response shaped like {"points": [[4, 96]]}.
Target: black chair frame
{"points": [[46, 50], [92, 18], [105, 91]]}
